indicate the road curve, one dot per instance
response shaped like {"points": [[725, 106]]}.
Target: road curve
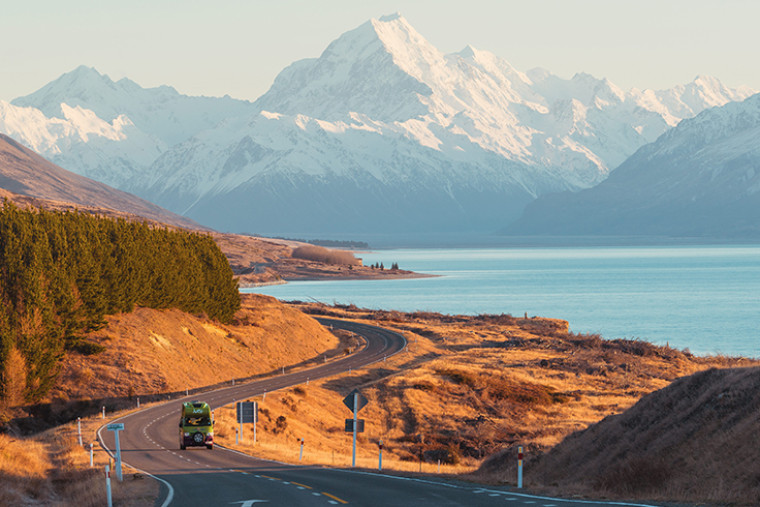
{"points": [[223, 477]]}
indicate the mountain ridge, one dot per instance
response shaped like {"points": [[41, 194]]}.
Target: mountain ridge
{"points": [[381, 114], [699, 179]]}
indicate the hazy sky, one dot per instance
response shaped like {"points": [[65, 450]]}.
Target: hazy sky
{"points": [[237, 47]]}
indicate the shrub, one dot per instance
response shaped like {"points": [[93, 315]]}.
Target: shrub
{"points": [[327, 256]]}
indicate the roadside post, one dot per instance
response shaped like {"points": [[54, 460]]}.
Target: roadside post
{"points": [[300, 454], [103, 416], [91, 456], [519, 467], [380, 456], [116, 428], [355, 401], [79, 430], [108, 486], [247, 412], [138, 402]]}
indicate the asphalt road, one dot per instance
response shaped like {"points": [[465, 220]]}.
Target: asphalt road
{"points": [[222, 477]]}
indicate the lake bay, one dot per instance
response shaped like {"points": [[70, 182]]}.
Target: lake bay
{"points": [[704, 298]]}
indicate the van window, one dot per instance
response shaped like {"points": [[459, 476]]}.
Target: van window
{"points": [[197, 421]]}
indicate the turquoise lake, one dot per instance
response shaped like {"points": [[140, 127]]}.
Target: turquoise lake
{"points": [[702, 298]]}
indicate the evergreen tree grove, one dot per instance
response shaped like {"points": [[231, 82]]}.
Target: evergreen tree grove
{"points": [[61, 273]]}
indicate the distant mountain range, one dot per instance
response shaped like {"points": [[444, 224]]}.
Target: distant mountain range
{"points": [[381, 133], [27, 178], [700, 179]]}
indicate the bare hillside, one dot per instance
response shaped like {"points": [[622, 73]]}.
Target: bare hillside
{"points": [[697, 440]]}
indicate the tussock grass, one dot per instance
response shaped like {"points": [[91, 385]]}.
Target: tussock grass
{"points": [[51, 468]]}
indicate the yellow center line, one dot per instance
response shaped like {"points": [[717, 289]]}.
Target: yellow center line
{"points": [[334, 497], [302, 485], [268, 477]]}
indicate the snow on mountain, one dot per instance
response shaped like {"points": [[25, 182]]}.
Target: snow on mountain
{"points": [[702, 178], [382, 119], [105, 130], [110, 152], [159, 112], [381, 105]]}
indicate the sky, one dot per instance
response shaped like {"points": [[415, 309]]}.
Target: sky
{"points": [[237, 47]]}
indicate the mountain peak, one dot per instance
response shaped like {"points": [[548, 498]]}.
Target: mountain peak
{"points": [[391, 17]]}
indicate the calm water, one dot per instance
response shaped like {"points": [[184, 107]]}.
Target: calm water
{"points": [[706, 299]]}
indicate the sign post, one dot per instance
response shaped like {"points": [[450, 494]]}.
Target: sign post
{"points": [[116, 428], [247, 412], [355, 401]]}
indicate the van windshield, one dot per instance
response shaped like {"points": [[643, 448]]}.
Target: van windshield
{"points": [[197, 421]]}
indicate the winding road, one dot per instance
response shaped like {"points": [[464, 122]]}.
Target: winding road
{"points": [[223, 477]]}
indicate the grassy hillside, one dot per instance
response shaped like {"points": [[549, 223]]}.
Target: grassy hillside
{"points": [[697, 440]]}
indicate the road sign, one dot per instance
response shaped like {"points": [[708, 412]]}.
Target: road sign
{"points": [[116, 428], [359, 425], [247, 412], [361, 401]]}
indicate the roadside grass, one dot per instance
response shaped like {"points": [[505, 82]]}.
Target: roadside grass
{"points": [[51, 468]]}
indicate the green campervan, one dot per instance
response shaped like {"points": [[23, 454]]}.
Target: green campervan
{"points": [[196, 426]]}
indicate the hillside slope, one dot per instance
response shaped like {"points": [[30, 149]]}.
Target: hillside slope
{"points": [[696, 440], [155, 351], [24, 172]]}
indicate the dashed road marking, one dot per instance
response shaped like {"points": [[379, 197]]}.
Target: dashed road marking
{"points": [[335, 498]]}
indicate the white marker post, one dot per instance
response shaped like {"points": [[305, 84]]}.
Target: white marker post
{"points": [[300, 455], [91, 456], [108, 486], [79, 430], [103, 416], [138, 402], [519, 467], [380, 456]]}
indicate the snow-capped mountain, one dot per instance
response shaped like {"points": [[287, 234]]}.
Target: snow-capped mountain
{"points": [[385, 132], [699, 179], [109, 131], [381, 132]]}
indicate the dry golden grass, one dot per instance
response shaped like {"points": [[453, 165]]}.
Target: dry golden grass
{"points": [[159, 351], [51, 468], [471, 386]]}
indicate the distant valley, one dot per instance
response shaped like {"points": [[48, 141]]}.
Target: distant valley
{"points": [[382, 133]]}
